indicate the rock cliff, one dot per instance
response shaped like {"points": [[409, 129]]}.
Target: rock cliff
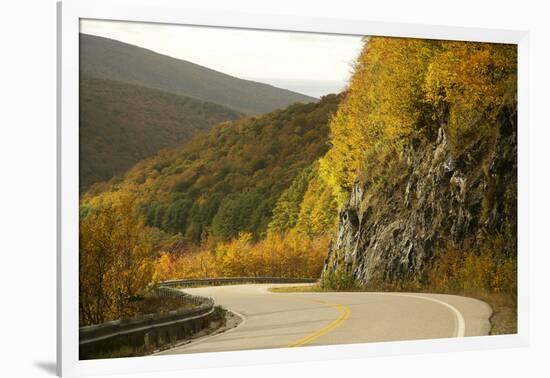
{"points": [[393, 230]]}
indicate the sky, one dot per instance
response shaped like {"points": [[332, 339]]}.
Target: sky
{"points": [[313, 64]]}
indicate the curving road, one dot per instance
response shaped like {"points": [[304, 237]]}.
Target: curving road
{"points": [[274, 320]]}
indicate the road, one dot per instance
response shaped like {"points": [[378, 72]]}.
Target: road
{"points": [[274, 320]]}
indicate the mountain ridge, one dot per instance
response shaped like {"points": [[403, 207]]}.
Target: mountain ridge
{"points": [[104, 58], [121, 124]]}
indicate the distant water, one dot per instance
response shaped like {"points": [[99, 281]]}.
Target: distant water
{"points": [[314, 88]]}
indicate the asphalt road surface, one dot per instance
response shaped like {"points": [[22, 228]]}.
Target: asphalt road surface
{"points": [[274, 320]]}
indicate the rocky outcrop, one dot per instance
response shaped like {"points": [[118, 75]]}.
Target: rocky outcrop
{"points": [[393, 230]]}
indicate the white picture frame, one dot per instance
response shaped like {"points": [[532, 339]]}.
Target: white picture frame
{"points": [[174, 12]]}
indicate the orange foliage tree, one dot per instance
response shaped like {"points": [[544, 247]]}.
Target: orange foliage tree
{"points": [[278, 255]]}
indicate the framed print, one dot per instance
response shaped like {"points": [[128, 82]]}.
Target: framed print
{"points": [[240, 189]]}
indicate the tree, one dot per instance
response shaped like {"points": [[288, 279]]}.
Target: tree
{"points": [[115, 260], [226, 222], [287, 209], [318, 210]]}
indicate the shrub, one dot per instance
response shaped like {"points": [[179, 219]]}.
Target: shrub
{"points": [[474, 268], [339, 280]]}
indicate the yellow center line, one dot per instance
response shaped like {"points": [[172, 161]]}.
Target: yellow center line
{"points": [[344, 313]]}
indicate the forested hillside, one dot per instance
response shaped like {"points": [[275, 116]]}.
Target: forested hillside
{"points": [[113, 60], [121, 124], [228, 180]]}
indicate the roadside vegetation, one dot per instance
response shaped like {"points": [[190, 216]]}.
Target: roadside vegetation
{"points": [[115, 265], [289, 256]]}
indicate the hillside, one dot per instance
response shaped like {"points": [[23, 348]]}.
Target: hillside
{"points": [[120, 124], [109, 59], [228, 180]]}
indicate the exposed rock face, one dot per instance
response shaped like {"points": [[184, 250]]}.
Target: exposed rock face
{"points": [[392, 231]]}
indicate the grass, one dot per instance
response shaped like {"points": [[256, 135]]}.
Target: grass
{"points": [[152, 305], [505, 315], [503, 321], [299, 289]]}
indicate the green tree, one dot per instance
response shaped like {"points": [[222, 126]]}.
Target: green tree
{"points": [[287, 209]]}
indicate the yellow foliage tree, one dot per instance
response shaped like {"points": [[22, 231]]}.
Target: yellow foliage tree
{"points": [[115, 260], [278, 255], [468, 83], [318, 210]]}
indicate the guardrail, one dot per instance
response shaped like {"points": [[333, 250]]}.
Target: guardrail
{"points": [[145, 333], [235, 280]]}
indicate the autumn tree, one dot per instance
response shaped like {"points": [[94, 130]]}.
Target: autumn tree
{"points": [[318, 210], [115, 260], [468, 84], [287, 209]]}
